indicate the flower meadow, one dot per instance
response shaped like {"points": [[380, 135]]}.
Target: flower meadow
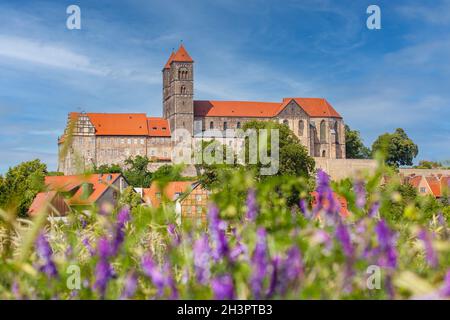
{"points": [[259, 240]]}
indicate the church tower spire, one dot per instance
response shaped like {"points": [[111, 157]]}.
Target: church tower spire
{"points": [[178, 90]]}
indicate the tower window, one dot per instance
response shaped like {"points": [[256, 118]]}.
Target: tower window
{"points": [[211, 125], [183, 90]]}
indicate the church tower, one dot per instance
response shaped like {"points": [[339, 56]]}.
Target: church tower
{"points": [[178, 90]]}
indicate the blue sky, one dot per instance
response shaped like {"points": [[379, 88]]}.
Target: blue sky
{"points": [[398, 76]]}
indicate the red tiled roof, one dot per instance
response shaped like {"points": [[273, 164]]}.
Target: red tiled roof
{"points": [[342, 201], [41, 200], [125, 124], [182, 55], [167, 65], [415, 181], [158, 127], [314, 107], [435, 185], [172, 188], [100, 183]]}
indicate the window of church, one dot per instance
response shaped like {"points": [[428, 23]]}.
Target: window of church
{"points": [[322, 131], [225, 125], [301, 127], [324, 154], [211, 125], [238, 125]]}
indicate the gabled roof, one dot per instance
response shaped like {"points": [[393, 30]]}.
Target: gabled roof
{"points": [[314, 107], [125, 124], [158, 127], [182, 55], [343, 211], [414, 181], [40, 202], [435, 185], [170, 190], [99, 183]]}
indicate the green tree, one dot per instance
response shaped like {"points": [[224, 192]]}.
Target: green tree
{"points": [[425, 164], [397, 147], [169, 172], [354, 146], [137, 173], [21, 184], [108, 168], [293, 157], [130, 197]]}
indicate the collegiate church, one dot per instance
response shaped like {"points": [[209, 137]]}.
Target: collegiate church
{"points": [[108, 138]]}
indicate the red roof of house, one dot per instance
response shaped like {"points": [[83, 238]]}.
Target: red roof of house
{"points": [[100, 183], [125, 124], [158, 127], [314, 107], [182, 55], [41, 200], [435, 185], [170, 190], [415, 181], [342, 201]]}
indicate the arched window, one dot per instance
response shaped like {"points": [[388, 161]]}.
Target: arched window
{"points": [[323, 137], [238, 125], [182, 74], [211, 125], [225, 125], [301, 127], [336, 132], [286, 122], [183, 89], [324, 153]]}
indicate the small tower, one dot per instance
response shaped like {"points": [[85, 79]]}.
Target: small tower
{"points": [[178, 90]]}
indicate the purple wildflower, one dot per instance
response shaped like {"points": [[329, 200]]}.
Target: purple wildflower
{"points": [[259, 264], [217, 229], [276, 261], [152, 271], [430, 253], [304, 208], [360, 192], [172, 230], [130, 286], [343, 235], [252, 206], [170, 281], [202, 253], [387, 242], [223, 287], [294, 264], [119, 233], [88, 246], [45, 252], [373, 211], [445, 291], [103, 269]]}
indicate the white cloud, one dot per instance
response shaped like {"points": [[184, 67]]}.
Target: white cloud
{"points": [[39, 52]]}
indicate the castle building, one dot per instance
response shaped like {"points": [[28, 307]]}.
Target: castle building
{"points": [[110, 138]]}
